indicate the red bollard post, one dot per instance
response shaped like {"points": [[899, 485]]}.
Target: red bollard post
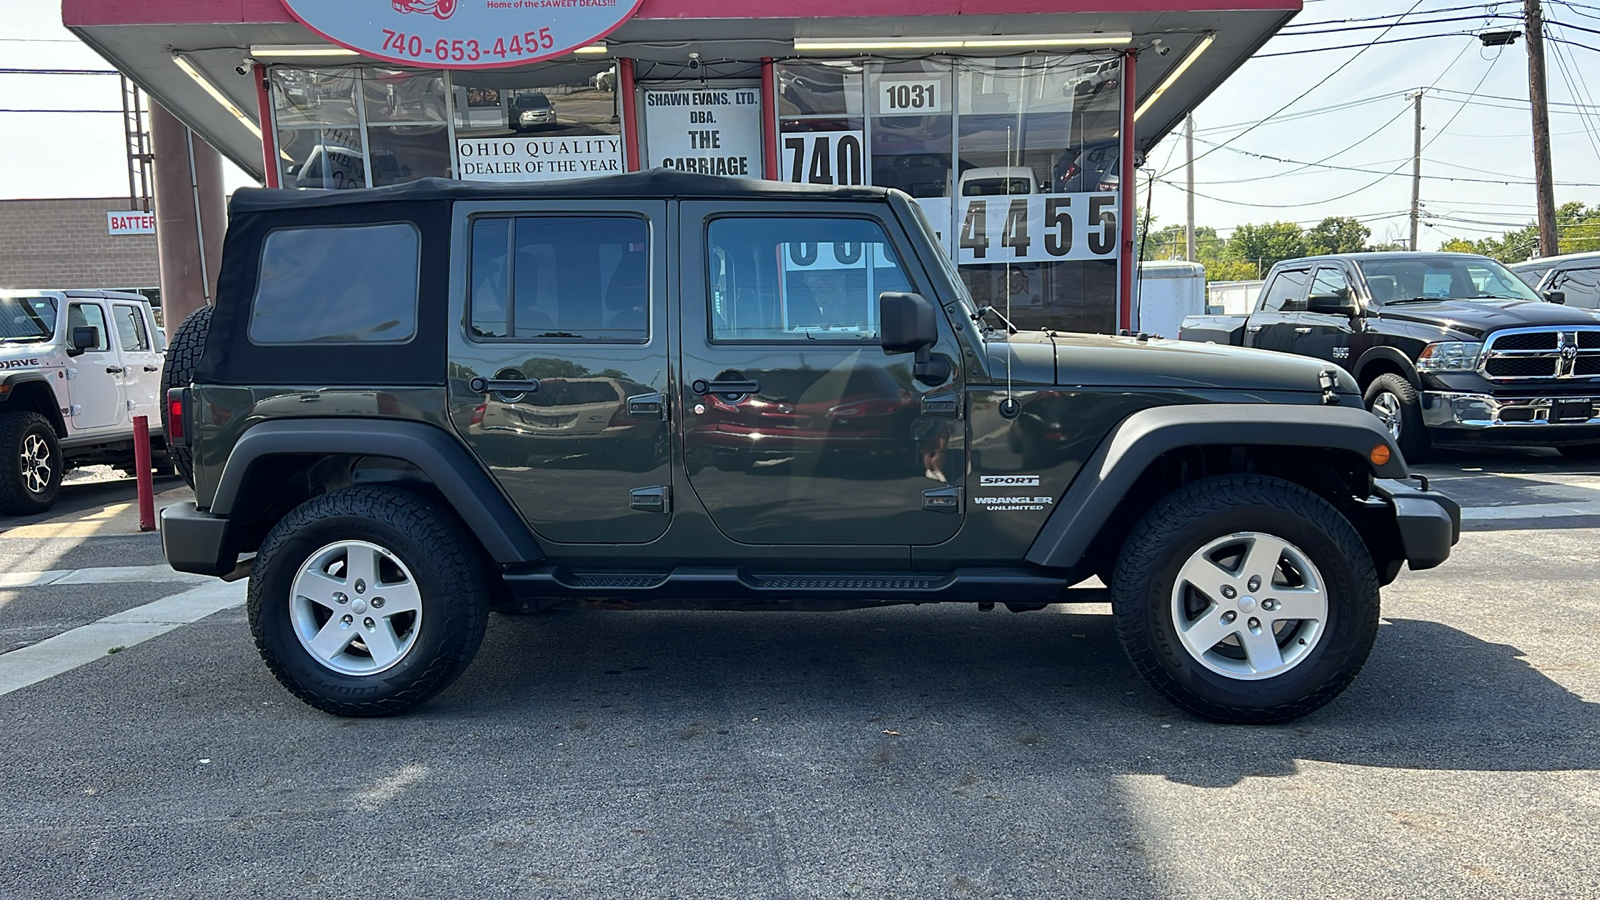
{"points": [[141, 463]]}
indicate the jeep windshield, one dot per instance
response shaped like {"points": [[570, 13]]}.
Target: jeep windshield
{"points": [[27, 320], [1413, 279]]}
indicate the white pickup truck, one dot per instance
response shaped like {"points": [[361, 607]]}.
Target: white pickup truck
{"points": [[76, 367]]}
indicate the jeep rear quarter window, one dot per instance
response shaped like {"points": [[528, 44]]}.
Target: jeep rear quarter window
{"points": [[337, 285], [799, 279], [570, 278]]}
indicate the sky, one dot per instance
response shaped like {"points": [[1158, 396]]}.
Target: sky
{"points": [[82, 155]]}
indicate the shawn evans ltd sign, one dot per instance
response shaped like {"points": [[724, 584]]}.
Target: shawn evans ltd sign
{"points": [[463, 34]]}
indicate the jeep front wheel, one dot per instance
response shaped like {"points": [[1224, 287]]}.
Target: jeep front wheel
{"points": [[1246, 599], [368, 601], [33, 464]]}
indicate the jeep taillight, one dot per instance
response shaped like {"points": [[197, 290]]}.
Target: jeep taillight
{"points": [[177, 422]]}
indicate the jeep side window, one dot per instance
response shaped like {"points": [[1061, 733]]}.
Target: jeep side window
{"points": [[337, 285], [1287, 292], [80, 315], [130, 328], [799, 279], [561, 278]]}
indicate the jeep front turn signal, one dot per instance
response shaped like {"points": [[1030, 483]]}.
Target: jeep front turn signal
{"points": [[1380, 455]]}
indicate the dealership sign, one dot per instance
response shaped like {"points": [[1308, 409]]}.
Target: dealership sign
{"points": [[463, 34], [118, 222], [713, 132], [539, 159]]}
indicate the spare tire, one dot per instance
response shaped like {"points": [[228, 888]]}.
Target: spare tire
{"points": [[183, 357]]}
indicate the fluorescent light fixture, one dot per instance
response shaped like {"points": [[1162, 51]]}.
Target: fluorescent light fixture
{"points": [[593, 48], [1021, 41], [216, 93], [1172, 77], [298, 51]]}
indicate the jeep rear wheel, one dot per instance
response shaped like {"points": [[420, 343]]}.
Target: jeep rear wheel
{"points": [[183, 357], [1246, 599], [32, 464], [368, 601]]}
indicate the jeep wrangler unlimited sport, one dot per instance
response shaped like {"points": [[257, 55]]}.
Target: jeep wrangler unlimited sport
{"points": [[416, 404]]}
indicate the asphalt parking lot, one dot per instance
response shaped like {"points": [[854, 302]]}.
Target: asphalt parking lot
{"points": [[914, 752]]}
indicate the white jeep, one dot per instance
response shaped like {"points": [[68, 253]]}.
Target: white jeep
{"points": [[76, 367]]}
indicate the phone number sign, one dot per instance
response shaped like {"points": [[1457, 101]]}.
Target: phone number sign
{"points": [[1036, 228], [463, 34]]}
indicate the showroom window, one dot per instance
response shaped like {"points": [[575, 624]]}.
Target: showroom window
{"points": [[351, 128], [1015, 161]]}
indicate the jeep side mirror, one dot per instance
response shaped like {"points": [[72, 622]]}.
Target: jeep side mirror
{"points": [[84, 337], [1556, 297], [1330, 304], [908, 323]]}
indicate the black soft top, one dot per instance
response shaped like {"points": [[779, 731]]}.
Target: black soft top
{"points": [[653, 183]]}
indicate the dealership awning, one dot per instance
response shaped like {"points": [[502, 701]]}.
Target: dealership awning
{"points": [[194, 56]]}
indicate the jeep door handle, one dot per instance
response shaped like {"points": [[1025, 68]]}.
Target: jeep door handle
{"points": [[702, 387], [152, 368], [503, 385], [115, 370], [1302, 331], [1253, 329]]}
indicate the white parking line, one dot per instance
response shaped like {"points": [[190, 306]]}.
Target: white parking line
{"points": [[85, 644], [100, 575], [1532, 511]]}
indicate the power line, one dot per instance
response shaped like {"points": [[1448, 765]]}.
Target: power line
{"points": [[1341, 67], [1426, 12], [1375, 43], [1482, 18]]}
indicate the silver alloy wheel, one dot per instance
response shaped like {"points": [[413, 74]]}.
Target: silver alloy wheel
{"points": [[1386, 406], [1249, 606], [35, 460], [356, 608]]}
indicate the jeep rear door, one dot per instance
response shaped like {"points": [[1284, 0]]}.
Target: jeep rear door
{"points": [[558, 362], [141, 361], [797, 427]]}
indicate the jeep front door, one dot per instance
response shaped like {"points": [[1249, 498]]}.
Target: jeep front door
{"points": [[798, 428], [558, 363]]}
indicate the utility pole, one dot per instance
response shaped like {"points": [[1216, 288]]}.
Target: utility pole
{"points": [[1188, 151], [1416, 167], [1544, 178]]}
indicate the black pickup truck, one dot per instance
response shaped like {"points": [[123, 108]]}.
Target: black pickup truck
{"points": [[1445, 346]]}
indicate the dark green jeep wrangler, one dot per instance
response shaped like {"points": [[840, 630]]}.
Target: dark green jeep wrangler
{"points": [[416, 404]]}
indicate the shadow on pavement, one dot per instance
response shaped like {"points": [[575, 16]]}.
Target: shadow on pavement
{"points": [[1430, 697]]}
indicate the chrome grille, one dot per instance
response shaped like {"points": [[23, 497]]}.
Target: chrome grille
{"points": [[1564, 352]]}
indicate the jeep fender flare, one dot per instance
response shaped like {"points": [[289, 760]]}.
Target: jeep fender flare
{"points": [[471, 492], [50, 410], [1141, 438], [1387, 354]]}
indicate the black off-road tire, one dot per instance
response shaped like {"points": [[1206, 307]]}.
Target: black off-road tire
{"points": [[183, 357], [19, 430], [1178, 527], [1413, 439], [446, 562]]}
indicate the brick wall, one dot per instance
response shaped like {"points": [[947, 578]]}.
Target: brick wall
{"points": [[64, 244]]}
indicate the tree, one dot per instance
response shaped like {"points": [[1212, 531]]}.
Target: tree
{"points": [[1266, 245], [1337, 234], [1457, 245], [1577, 226]]}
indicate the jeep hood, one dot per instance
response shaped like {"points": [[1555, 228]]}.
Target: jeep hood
{"points": [[1475, 318], [1090, 360]]}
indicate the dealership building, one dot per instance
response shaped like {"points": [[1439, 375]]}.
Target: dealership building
{"points": [[1012, 122]]}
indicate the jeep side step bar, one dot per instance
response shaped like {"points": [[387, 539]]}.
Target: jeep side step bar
{"points": [[701, 587]]}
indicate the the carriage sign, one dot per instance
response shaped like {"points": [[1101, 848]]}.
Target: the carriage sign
{"points": [[463, 34]]}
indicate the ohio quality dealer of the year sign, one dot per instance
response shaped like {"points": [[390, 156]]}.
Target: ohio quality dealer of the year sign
{"points": [[463, 34]]}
